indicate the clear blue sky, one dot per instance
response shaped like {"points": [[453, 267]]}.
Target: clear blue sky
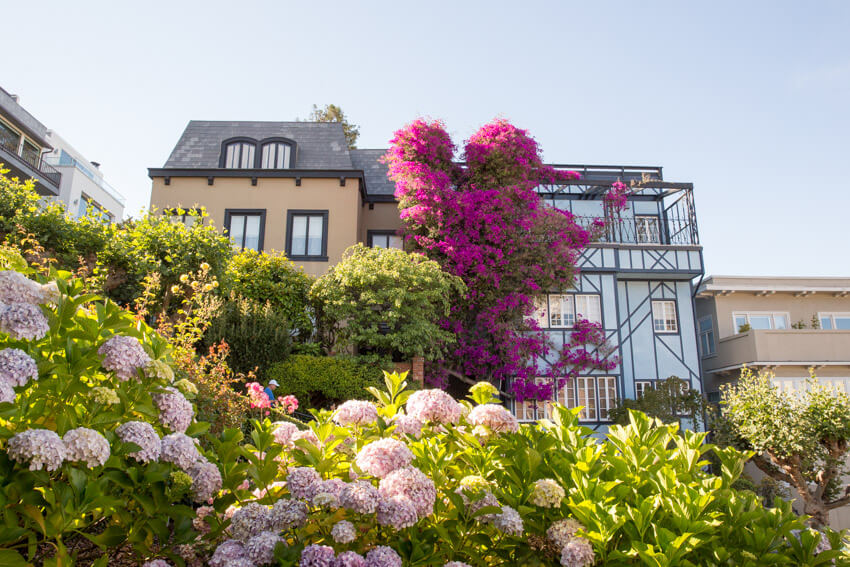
{"points": [[750, 101]]}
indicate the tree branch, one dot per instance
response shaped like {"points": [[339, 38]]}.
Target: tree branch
{"points": [[770, 469]]}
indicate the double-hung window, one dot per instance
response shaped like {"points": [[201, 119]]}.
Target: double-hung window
{"points": [[186, 217], [834, 321], [760, 320], [664, 318], [563, 309], [246, 228], [706, 336], [307, 235]]}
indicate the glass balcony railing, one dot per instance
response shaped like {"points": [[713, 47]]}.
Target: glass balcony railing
{"points": [[64, 159]]}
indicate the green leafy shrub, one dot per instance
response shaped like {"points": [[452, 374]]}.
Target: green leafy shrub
{"points": [[669, 401], [69, 361], [436, 481], [323, 381], [274, 279], [386, 301], [258, 335]]}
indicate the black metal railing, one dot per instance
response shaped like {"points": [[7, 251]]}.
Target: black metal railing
{"points": [[48, 172], [668, 230]]}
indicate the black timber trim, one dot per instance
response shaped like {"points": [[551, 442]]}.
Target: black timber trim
{"points": [[262, 214], [293, 148], [290, 213], [222, 157]]}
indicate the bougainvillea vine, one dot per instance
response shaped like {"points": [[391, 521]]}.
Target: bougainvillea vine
{"points": [[484, 222]]}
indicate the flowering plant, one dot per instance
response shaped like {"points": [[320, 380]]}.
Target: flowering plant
{"points": [[97, 441], [288, 403], [257, 397], [485, 223], [469, 485]]}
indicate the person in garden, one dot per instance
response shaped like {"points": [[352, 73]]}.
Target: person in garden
{"points": [[269, 390]]}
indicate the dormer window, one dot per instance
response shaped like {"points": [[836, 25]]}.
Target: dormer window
{"points": [[276, 155], [239, 155]]}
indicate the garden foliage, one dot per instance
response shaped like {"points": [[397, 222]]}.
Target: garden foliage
{"points": [[800, 438], [422, 480], [485, 223], [386, 302], [324, 381], [97, 436], [258, 335]]}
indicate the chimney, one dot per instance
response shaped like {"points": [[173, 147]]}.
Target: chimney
{"points": [[95, 164], [16, 98]]}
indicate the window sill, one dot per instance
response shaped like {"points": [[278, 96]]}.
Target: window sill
{"points": [[309, 258]]}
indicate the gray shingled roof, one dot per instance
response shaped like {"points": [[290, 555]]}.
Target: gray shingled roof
{"points": [[321, 145], [374, 172]]}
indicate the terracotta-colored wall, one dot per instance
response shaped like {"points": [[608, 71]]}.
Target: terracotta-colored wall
{"points": [[276, 196]]}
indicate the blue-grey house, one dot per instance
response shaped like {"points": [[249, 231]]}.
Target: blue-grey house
{"points": [[637, 280]]}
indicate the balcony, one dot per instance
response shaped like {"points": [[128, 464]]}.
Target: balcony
{"points": [[26, 165], [66, 160], [787, 347], [669, 230]]}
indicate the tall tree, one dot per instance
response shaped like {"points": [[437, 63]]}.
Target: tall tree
{"points": [[333, 113], [485, 223]]}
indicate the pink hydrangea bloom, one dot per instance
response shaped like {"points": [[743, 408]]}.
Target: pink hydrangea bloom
{"points": [[577, 553], [306, 434], [494, 416], [7, 393], [349, 559], [433, 405], [17, 368], [42, 448], [283, 432], [142, 434], [86, 445], [156, 563], [227, 553], [343, 532], [398, 513], [303, 482], [289, 404], [407, 425], [509, 521], [360, 497], [317, 556], [383, 556], [23, 321], [382, 457], [179, 449], [562, 531], [259, 549], [124, 355], [356, 412], [206, 480], [287, 513], [250, 520], [412, 484], [175, 411], [15, 287]]}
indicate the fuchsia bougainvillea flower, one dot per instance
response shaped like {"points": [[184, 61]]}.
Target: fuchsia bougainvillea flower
{"points": [[485, 223]]}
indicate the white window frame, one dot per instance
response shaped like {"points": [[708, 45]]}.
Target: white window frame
{"points": [[709, 336], [642, 236], [831, 315], [641, 387], [771, 314], [545, 309], [667, 329], [600, 392]]}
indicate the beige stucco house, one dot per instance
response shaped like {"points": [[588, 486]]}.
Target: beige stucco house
{"points": [[292, 187], [784, 325]]}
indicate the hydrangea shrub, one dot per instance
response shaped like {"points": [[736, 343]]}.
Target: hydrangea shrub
{"points": [[471, 486], [94, 437]]}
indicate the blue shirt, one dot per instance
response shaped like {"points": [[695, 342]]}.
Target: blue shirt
{"points": [[269, 393]]}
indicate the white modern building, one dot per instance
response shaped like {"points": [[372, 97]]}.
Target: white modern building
{"points": [[82, 184]]}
